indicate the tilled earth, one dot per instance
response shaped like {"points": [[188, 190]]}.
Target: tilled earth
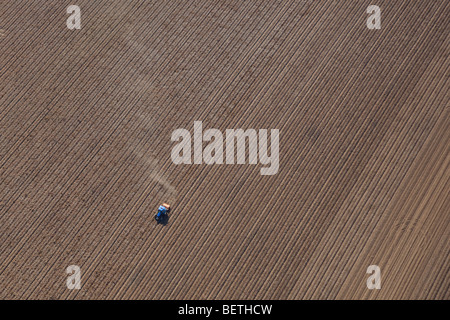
{"points": [[86, 118]]}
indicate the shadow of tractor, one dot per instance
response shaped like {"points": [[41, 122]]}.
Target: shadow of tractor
{"points": [[163, 220]]}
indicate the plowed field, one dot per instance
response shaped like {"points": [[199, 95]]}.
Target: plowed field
{"points": [[86, 118]]}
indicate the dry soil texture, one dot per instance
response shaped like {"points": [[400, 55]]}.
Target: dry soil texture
{"points": [[86, 118]]}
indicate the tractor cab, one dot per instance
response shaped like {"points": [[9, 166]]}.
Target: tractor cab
{"points": [[163, 210]]}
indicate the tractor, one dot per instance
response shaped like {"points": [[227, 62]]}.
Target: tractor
{"points": [[163, 210]]}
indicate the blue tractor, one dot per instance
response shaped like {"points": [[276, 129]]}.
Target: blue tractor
{"points": [[163, 210]]}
